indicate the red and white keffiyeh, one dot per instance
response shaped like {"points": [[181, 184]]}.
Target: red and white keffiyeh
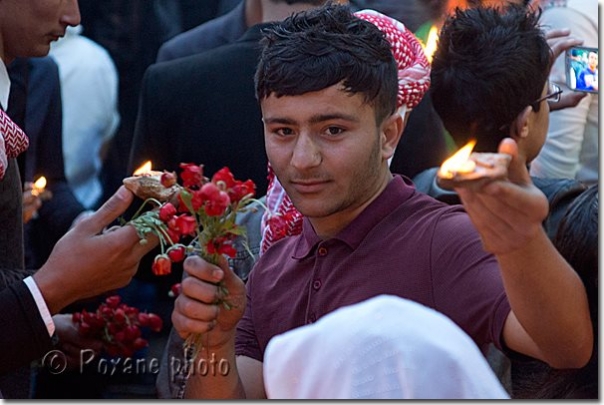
{"points": [[13, 141], [282, 219]]}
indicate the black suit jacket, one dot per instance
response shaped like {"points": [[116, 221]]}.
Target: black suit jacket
{"points": [[24, 337], [203, 109], [219, 31], [35, 105]]}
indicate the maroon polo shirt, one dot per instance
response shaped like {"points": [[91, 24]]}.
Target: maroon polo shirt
{"points": [[404, 243]]}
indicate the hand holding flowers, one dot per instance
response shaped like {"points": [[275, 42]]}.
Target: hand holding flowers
{"points": [[198, 220]]}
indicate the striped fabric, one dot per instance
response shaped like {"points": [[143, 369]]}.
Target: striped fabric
{"points": [[13, 141]]}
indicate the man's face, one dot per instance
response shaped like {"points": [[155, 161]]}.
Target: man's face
{"points": [[326, 149], [27, 27], [593, 60]]}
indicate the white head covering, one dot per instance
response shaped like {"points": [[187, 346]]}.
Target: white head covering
{"points": [[384, 348]]}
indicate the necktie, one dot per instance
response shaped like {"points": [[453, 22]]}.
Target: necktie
{"points": [[13, 141]]}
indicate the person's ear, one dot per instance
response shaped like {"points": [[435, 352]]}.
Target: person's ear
{"points": [[392, 130], [520, 127]]}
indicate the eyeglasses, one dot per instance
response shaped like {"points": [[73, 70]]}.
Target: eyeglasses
{"points": [[553, 95]]}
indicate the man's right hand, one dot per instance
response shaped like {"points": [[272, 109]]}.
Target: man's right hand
{"points": [[88, 261], [198, 310]]}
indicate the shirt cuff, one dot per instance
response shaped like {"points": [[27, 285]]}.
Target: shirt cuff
{"points": [[44, 312]]}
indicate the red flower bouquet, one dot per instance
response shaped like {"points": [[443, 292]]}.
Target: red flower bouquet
{"points": [[117, 325], [201, 211]]}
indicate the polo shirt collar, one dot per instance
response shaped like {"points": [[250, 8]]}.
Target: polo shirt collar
{"points": [[395, 193]]}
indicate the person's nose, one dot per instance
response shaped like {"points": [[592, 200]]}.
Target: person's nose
{"points": [[71, 14], [306, 154]]}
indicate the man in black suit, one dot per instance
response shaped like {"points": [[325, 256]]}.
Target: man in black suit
{"points": [[35, 105], [86, 261]]}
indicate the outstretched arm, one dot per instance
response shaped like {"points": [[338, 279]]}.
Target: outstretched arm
{"points": [[550, 315]]}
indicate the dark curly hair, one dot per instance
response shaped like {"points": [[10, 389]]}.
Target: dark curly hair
{"points": [[490, 64], [316, 49]]}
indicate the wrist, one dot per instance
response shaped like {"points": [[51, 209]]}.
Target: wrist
{"points": [[54, 291]]}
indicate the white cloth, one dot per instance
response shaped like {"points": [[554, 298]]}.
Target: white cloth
{"points": [[384, 348], [89, 90], [571, 149]]}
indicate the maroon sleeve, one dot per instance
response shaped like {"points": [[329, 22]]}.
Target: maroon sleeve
{"points": [[467, 282]]}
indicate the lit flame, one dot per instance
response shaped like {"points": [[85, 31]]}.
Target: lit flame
{"points": [[431, 43], [460, 162], [145, 168], [39, 186]]}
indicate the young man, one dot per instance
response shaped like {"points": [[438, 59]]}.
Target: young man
{"points": [[86, 261], [327, 86], [501, 91], [510, 96]]}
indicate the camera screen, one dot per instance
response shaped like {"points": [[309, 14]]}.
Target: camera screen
{"points": [[582, 69]]}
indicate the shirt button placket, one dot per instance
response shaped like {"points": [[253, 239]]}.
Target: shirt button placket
{"points": [[316, 284]]}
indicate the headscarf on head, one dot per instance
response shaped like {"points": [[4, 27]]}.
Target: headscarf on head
{"points": [[282, 219], [386, 347]]}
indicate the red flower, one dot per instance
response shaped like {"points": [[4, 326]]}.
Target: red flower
{"points": [[166, 212], [221, 245], [173, 234], [241, 189], [186, 224], [175, 290], [224, 179], [113, 301], [117, 325], [191, 175], [176, 254], [161, 265], [197, 199], [216, 200], [155, 323], [168, 179]]}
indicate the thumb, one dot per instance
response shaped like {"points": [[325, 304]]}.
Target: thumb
{"points": [[517, 170], [109, 211], [229, 274]]}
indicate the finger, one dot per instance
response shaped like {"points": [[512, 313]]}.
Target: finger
{"points": [[199, 290], [557, 33], [517, 170], [185, 325], [197, 267], [109, 211], [229, 274], [559, 46], [567, 99]]}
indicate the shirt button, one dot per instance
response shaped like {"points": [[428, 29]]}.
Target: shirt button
{"points": [[322, 251], [316, 284]]}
